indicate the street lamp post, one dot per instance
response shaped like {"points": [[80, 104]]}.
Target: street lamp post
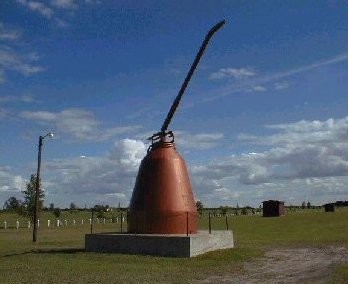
{"points": [[37, 187]]}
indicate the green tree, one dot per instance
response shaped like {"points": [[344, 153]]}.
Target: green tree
{"points": [[51, 206], [224, 210], [199, 206], [100, 210], [29, 197], [73, 206], [56, 212], [303, 206], [308, 205], [12, 204]]}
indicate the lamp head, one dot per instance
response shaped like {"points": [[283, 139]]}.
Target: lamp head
{"points": [[50, 134]]}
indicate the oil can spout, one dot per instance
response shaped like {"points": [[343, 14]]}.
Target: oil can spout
{"points": [[184, 85], [162, 135]]}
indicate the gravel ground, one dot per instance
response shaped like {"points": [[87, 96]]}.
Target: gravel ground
{"points": [[290, 265]]}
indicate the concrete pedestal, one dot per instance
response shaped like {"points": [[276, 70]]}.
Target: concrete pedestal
{"points": [[160, 245]]}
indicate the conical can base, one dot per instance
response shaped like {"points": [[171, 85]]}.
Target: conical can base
{"points": [[162, 200]]}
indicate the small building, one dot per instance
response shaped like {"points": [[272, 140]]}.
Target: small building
{"points": [[273, 208], [329, 207]]}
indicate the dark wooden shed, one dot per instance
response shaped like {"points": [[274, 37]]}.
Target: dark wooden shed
{"points": [[329, 207], [273, 208]]}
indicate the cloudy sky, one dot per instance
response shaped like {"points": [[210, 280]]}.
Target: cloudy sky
{"points": [[264, 117]]}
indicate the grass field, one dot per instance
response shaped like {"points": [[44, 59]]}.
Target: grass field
{"points": [[58, 257]]}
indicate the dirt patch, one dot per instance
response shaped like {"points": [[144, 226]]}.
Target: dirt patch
{"points": [[290, 265]]}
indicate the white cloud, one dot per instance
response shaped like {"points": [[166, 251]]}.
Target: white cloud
{"points": [[44, 116], [49, 9], [312, 153], [13, 59], [305, 149], [245, 85], [8, 34], [3, 113], [281, 85], [2, 77], [10, 60], [37, 7], [10, 182], [109, 178], [77, 123], [306, 160], [10, 99], [50, 12], [258, 88], [232, 73], [64, 4], [198, 141], [62, 23], [93, 2], [128, 153]]}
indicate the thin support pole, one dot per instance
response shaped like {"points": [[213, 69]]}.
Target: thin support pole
{"points": [[209, 223], [121, 222], [92, 217], [187, 223], [226, 219]]}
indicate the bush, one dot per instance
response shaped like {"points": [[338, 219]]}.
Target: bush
{"points": [[56, 212]]}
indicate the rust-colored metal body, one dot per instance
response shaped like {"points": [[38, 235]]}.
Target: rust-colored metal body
{"points": [[162, 200]]}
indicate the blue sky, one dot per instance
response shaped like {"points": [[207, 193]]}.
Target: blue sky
{"points": [[264, 116]]}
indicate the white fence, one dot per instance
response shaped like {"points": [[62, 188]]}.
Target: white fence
{"points": [[19, 224]]}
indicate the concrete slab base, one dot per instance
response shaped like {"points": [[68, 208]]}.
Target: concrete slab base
{"points": [[159, 245]]}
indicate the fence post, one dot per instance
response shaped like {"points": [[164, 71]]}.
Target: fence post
{"points": [[121, 223], [209, 223], [226, 222], [92, 221]]}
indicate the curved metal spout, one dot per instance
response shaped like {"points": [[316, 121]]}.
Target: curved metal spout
{"points": [[189, 75]]}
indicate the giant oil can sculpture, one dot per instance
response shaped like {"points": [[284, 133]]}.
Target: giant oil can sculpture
{"points": [[162, 200]]}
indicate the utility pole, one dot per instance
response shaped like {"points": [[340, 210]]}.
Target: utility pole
{"points": [[37, 187]]}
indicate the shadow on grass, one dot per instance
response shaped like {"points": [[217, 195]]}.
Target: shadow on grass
{"points": [[48, 251], [60, 250], [17, 253]]}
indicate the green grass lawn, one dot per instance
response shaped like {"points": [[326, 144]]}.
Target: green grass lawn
{"points": [[58, 257], [341, 275]]}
